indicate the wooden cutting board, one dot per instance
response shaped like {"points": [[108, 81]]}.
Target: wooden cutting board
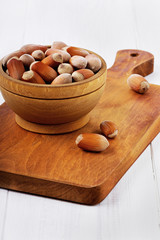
{"points": [[53, 166]]}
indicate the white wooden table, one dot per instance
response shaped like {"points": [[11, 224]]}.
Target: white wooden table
{"points": [[132, 210]]}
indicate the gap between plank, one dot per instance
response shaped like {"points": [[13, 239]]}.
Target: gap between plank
{"points": [[156, 183], [5, 216]]}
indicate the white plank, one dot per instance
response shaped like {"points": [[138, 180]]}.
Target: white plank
{"points": [[31, 217], [130, 210], [147, 19], [3, 210], [155, 146]]}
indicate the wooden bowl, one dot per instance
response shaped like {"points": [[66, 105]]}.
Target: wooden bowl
{"points": [[52, 109]]}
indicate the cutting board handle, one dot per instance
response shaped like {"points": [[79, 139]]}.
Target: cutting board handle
{"points": [[131, 61]]}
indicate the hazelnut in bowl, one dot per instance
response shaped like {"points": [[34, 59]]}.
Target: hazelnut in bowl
{"points": [[52, 101]]}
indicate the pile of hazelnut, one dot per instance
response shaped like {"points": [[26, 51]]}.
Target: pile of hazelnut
{"points": [[58, 64]]}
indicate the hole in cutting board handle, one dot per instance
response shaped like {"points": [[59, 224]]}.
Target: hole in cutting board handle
{"points": [[134, 54]]}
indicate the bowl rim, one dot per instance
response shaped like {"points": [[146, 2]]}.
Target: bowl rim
{"points": [[45, 86]]}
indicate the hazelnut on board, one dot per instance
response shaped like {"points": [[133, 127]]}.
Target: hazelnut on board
{"points": [[92, 142], [138, 83], [109, 129]]}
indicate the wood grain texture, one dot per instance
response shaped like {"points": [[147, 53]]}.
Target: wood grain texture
{"points": [[52, 111], [53, 166], [52, 128]]}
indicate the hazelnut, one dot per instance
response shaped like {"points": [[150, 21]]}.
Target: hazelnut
{"points": [[93, 62], [27, 59], [92, 142], [82, 74], [78, 61], [138, 83], [65, 68], [62, 79], [109, 129], [38, 55]]}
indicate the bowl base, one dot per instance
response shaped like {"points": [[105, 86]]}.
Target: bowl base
{"points": [[52, 128]]}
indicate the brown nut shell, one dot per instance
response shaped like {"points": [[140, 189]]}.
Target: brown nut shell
{"points": [[64, 78], [45, 71], [66, 55], [27, 59], [17, 53], [77, 51], [29, 48], [109, 129], [78, 62], [93, 62], [58, 45], [53, 60], [15, 68], [32, 77], [82, 74], [138, 83], [92, 142], [38, 55], [65, 68]]}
